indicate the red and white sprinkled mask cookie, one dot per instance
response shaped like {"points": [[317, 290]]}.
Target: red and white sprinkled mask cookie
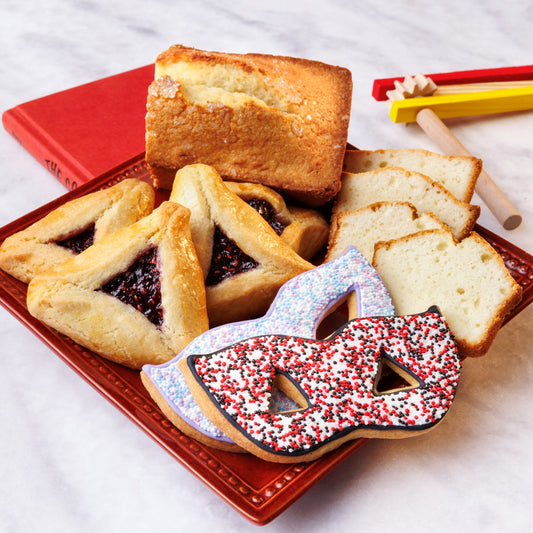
{"points": [[333, 380]]}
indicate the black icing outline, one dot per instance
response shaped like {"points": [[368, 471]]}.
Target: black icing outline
{"points": [[190, 360]]}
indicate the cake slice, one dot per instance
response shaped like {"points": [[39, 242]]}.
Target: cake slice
{"points": [[382, 221], [456, 173], [397, 184], [279, 121], [377, 222], [467, 280]]}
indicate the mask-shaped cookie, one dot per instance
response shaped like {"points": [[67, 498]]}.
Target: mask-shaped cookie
{"points": [[135, 297], [74, 226], [297, 310], [333, 382]]}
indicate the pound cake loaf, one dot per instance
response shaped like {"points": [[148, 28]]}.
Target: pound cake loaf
{"points": [[457, 173], [397, 184], [279, 121], [468, 281]]}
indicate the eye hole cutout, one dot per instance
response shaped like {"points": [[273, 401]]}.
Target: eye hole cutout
{"points": [[286, 396], [334, 319], [392, 377]]}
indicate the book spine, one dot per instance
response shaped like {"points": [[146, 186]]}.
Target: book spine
{"points": [[49, 153]]}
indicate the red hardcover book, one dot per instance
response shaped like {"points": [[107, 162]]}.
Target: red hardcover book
{"points": [[80, 133]]}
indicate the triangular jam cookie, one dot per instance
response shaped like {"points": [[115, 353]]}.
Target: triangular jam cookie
{"points": [[72, 227], [304, 229], [136, 297], [243, 260]]}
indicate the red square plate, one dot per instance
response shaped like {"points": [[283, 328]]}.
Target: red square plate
{"points": [[258, 489]]}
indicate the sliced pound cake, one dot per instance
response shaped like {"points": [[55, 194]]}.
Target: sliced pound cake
{"points": [[467, 280], [397, 184], [457, 173], [382, 221]]}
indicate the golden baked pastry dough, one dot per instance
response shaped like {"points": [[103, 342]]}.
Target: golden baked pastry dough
{"points": [[38, 247], [304, 229], [216, 211], [76, 297]]}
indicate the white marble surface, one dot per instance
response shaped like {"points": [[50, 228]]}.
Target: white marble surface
{"points": [[72, 462]]}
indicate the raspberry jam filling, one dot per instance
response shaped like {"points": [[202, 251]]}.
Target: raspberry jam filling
{"points": [[79, 242], [140, 286], [266, 210], [227, 259]]}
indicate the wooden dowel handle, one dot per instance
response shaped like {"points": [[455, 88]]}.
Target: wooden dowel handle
{"points": [[490, 193]]}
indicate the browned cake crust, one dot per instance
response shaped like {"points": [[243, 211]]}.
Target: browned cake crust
{"points": [[279, 121]]}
